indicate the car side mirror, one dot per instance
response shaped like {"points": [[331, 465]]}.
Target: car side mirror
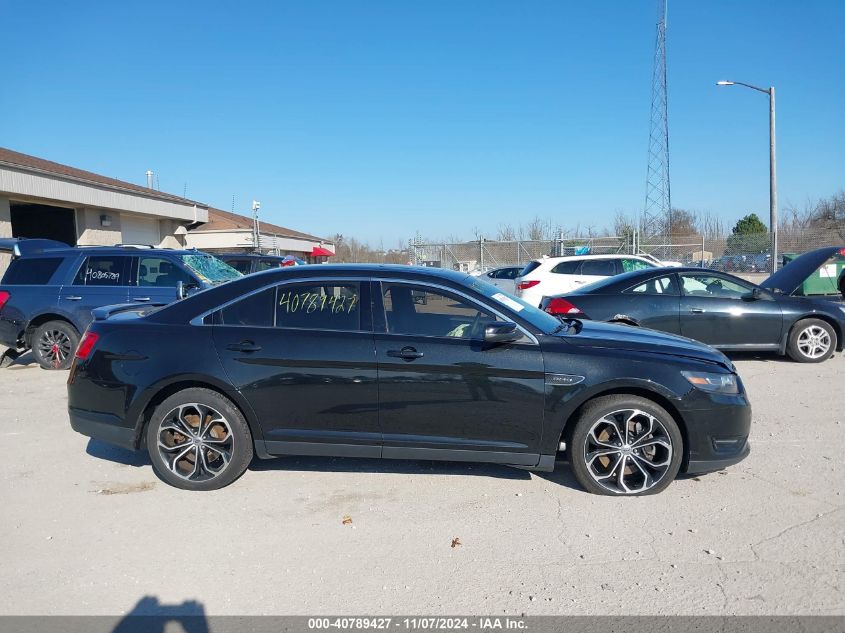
{"points": [[501, 332], [755, 295]]}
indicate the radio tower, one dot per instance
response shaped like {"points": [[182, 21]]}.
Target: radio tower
{"points": [[657, 214]]}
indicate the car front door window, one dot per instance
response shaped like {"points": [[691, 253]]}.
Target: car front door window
{"points": [[422, 311], [712, 286]]}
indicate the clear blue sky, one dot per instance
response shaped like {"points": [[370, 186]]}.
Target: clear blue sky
{"points": [[376, 118]]}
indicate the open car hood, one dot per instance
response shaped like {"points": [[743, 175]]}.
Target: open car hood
{"points": [[789, 278]]}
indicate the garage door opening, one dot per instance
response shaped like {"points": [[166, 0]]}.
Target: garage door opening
{"points": [[43, 221]]}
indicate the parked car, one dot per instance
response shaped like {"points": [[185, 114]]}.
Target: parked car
{"points": [[502, 277], [719, 309], [551, 276], [248, 263], [49, 290], [659, 262], [341, 360]]}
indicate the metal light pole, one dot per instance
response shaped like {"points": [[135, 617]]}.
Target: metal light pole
{"points": [[773, 178]]}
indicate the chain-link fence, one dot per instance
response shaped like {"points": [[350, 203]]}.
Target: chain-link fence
{"points": [[749, 252]]}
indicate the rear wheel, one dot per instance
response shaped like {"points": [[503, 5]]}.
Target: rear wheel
{"points": [[54, 343], [811, 341], [625, 445], [198, 440]]}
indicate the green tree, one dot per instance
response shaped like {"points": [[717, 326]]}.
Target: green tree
{"points": [[749, 235]]}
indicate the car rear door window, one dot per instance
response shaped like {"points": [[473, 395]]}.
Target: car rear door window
{"points": [[160, 272], [255, 310], [329, 305], [423, 311], [698, 285], [265, 264], [568, 268], [103, 270], [31, 271], [599, 267]]}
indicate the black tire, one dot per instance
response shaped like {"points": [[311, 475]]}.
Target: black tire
{"points": [[811, 341], [54, 343], [217, 450], [660, 452]]}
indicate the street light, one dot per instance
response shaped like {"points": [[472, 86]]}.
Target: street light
{"points": [[773, 184]]}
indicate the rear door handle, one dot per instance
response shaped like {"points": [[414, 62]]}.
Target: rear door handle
{"points": [[243, 346], [140, 298], [72, 298], [696, 310], [406, 353]]}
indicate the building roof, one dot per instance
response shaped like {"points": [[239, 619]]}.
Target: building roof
{"points": [[219, 220], [12, 158]]}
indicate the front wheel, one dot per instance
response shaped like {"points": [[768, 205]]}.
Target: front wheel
{"points": [[811, 341], [198, 440], [625, 445], [54, 343]]}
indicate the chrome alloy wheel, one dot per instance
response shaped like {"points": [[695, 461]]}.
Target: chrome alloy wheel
{"points": [[195, 442], [628, 451], [55, 347], [814, 341]]}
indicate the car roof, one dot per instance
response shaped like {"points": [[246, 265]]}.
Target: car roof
{"points": [[631, 277], [217, 295], [564, 258], [109, 250]]}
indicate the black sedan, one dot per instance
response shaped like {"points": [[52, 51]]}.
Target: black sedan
{"points": [[348, 361], [719, 309]]}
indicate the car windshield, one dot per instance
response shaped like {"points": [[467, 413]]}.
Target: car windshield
{"points": [[210, 269], [544, 322]]}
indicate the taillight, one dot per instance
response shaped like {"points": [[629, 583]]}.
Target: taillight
{"points": [[559, 305], [4, 297], [525, 285], [86, 345]]}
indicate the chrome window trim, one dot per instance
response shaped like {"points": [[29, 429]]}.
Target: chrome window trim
{"points": [[473, 300]]}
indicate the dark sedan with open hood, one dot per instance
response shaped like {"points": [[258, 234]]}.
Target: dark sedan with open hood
{"points": [[723, 310], [405, 363]]}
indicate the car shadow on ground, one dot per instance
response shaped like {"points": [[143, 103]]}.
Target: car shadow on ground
{"points": [[23, 361], [765, 357], [150, 615], [562, 474], [116, 454], [397, 466]]}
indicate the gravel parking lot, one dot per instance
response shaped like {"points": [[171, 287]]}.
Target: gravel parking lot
{"points": [[89, 529]]}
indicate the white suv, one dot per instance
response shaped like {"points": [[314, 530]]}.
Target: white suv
{"points": [[552, 276]]}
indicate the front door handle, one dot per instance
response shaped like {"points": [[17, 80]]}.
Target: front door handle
{"points": [[696, 310], [140, 298], [72, 298], [243, 346], [406, 353]]}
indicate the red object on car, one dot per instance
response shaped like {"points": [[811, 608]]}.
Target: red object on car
{"points": [[86, 345], [559, 305], [4, 297], [525, 285]]}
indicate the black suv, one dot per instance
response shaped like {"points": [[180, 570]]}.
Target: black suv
{"points": [[49, 290]]}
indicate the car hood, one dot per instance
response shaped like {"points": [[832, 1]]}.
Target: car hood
{"points": [[627, 337], [789, 278]]}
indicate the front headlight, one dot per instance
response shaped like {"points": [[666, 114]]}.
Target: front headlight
{"points": [[714, 383]]}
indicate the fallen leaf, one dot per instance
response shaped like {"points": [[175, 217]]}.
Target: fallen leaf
{"points": [[455, 542], [347, 519]]}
